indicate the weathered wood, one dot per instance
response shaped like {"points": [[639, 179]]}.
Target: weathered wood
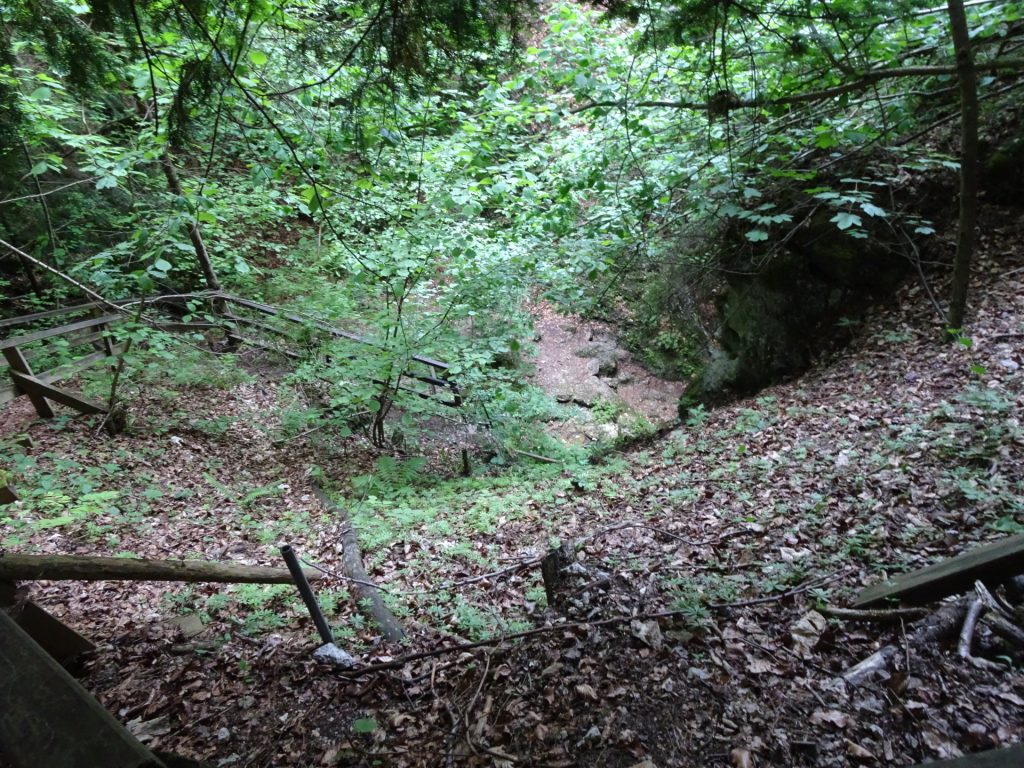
{"points": [[76, 309], [69, 369], [1010, 757], [368, 595], [61, 330], [54, 636], [47, 718], [18, 365], [992, 563], [7, 495], [37, 388], [88, 568], [336, 332]]}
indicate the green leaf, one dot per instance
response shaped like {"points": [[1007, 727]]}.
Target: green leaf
{"points": [[757, 235], [873, 210], [365, 725], [259, 58], [162, 265], [40, 94], [106, 182], [845, 220], [40, 167]]}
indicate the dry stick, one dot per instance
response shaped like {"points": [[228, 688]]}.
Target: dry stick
{"points": [[863, 82], [401, 661], [1004, 628], [937, 626], [868, 614], [537, 457], [368, 595]]}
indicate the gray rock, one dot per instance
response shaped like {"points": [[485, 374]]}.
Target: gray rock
{"points": [[329, 653]]}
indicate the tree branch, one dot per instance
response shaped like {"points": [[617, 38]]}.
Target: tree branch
{"points": [[863, 82]]}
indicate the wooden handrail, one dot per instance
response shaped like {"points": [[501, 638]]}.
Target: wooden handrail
{"points": [[39, 386], [61, 330]]}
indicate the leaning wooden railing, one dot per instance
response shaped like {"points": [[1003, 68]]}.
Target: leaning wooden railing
{"points": [[242, 321]]}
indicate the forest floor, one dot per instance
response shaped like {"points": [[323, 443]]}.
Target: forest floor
{"points": [[896, 452]]}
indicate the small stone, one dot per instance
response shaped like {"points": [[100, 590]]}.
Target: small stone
{"points": [[332, 654]]}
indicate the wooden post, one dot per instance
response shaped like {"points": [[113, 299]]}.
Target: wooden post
{"points": [[36, 388], [19, 364]]}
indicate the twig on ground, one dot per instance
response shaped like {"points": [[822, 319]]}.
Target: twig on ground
{"points": [[401, 661], [869, 614], [967, 632], [537, 457], [936, 626], [974, 611]]}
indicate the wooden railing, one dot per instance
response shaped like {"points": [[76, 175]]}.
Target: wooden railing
{"points": [[242, 322]]}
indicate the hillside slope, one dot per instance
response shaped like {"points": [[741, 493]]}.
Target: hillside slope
{"points": [[900, 451]]}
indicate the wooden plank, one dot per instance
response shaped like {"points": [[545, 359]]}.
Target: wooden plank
{"points": [[250, 322], [1009, 757], [992, 563], [88, 568], [54, 636], [76, 309], [49, 719], [70, 369], [61, 330], [35, 388], [40, 353], [268, 347], [19, 366], [336, 332], [186, 327], [437, 367]]}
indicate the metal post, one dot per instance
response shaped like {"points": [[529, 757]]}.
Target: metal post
{"points": [[307, 593]]}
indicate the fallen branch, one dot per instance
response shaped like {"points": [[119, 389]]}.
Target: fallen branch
{"points": [[368, 596], [967, 631], [936, 627], [974, 611], [537, 457], [874, 614], [401, 661], [86, 568], [1005, 629]]}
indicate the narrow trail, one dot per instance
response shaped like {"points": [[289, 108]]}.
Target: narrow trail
{"points": [[580, 362]]}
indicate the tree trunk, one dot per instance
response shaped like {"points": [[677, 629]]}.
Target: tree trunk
{"points": [[968, 162], [194, 233]]}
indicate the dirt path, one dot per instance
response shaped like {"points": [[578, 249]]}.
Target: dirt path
{"points": [[580, 362]]}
